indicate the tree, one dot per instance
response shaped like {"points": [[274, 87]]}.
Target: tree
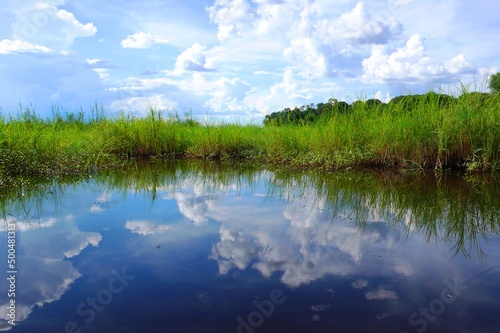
{"points": [[495, 83]]}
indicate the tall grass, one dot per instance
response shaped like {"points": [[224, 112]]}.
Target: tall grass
{"points": [[425, 134]]}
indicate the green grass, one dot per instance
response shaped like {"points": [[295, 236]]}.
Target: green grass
{"points": [[425, 134]]}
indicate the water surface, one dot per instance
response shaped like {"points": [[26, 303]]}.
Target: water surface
{"points": [[211, 249]]}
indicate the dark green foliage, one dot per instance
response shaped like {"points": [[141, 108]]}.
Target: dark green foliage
{"points": [[373, 103], [476, 98], [309, 114], [495, 83], [297, 116], [413, 102], [339, 106]]}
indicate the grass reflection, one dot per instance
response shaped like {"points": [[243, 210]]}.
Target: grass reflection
{"points": [[445, 207]]}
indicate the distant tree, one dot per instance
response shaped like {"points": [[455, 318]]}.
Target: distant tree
{"points": [[495, 83]]}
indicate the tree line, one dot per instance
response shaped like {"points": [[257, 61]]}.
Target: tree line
{"points": [[310, 114]]}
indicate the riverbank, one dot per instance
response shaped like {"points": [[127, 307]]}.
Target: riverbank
{"points": [[427, 134]]}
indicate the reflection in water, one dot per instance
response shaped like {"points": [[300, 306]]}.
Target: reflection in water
{"points": [[146, 227], [44, 273], [381, 236]]}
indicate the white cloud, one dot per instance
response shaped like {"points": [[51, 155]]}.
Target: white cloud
{"points": [[305, 52], [220, 97], [192, 59], [411, 64], [101, 203], [82, 241], [324, 44], [358, 26], [41, 22], [334, 49], [24, 225], [234, 250], [93, 61], [95, 208], [140, 105], [146, 227], [380, 294], [50, 274], [102, 72], [192, 206], [142, 40], [231, 16], [227, 95], [360, 284], [299, 243], [16, 46], [292, 91]]}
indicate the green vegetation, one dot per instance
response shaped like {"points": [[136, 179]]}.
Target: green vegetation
{"points": [[495, 83], [428, 131]]}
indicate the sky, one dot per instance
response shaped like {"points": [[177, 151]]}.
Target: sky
{"points": [[238, 60]]}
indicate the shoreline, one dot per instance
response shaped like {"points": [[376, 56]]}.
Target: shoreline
{"points": [[420, 133]]}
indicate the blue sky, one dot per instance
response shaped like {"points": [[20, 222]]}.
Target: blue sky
{"points": [[238, 59]]}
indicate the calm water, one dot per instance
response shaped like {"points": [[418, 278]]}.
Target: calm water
{"points": [[200, 249]]}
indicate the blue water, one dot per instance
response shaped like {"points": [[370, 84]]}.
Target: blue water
{"points": [[197, 252]]}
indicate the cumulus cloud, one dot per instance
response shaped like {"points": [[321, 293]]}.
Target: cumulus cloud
{"points": [[307, 54], [358, 26], [293, 90], [231, 16], [234, 250], [411, 64], [16, 46], [312, 247], [322, 47], [146, 227], [220, 97], [42, 23], [340, 44], [193, 207], [192, 59], [142, 40], [227, 95]]}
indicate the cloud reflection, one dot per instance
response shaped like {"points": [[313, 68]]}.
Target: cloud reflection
{"points": [[144, 227], [380, 294], [305, 244], [44, 274]]}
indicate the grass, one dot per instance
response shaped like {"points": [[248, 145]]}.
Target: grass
{"points": [[425, 134]]}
